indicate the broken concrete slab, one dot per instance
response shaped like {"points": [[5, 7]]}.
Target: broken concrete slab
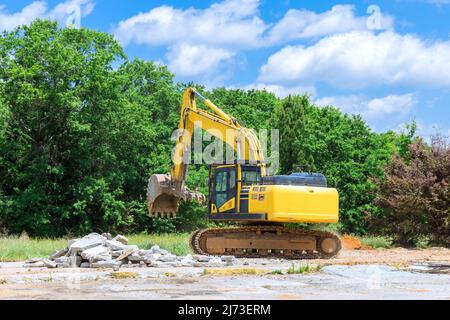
{"points": [[121, 239], [63, 262], [37, 264], [107, 236], [132, 246], [142, 252], [227, 258], [75, 261], [116, 253], [152, 257], [59, 253], [136, 257], [100, 257], [86, 243], [167, 258], [49, 263], [155, 249], [115, 245], [106, 264], [201, 258], [95, 251]]}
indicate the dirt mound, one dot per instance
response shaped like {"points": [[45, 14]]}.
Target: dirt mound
{"points": [[351, 243]]}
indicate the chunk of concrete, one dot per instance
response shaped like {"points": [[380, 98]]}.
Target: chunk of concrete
{"points": [[50, 264], [71, 241], [142, 252], [215, 262], [131, 247], [187, 261], [115, 245], [59, 253], [227, 258], [100, 257], [85, 265], [174, 263], [201, 258], [86, 243], [106, 264], [33, 260], [116, 253], [121, 239], [37, 264], [107, 236], [155, 249], [167, 258], [152, 257], [136, 257], [63, 262], [94, 251]]}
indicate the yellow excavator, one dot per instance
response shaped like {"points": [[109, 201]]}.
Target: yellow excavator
{"points": [[242, 192]]}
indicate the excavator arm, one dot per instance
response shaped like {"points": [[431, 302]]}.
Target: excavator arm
{"points": [[164, 191]]}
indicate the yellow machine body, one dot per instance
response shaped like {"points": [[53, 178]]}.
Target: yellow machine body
{"points": [[295, 203], [248, 199]]}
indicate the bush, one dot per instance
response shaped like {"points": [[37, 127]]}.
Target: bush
{"points": [[415, 195]]}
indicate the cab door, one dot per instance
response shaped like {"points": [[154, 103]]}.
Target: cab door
{"points": [[223, 189]]}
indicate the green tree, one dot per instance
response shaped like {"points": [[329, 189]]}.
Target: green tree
{"points": [[342, 147], [82, 137]]}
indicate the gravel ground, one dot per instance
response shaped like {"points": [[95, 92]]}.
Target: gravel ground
{"points": [[354, 274]]}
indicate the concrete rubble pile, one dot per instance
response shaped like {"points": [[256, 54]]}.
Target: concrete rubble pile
{"points": [[104, 251]]}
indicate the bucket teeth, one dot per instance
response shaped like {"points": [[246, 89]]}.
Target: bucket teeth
{"points": [[169, 215]]}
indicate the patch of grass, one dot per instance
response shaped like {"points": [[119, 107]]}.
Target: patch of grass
{"points": [[423, 243], [376, 242], [16, 249], [233, 271], [169, 274], [302, 269], [177, 243], [123, 275], [278, 272]]}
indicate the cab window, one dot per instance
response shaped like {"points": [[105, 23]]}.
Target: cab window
{"points": [[251, 175]]}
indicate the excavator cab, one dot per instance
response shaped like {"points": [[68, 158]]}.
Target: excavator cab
{"points": [[229, 186]]}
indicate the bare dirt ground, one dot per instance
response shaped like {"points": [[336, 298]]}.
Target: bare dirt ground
{"points": [[354, 274]]}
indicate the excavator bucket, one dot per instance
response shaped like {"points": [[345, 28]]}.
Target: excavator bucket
{"points": [[163, 197], [161, 200]]}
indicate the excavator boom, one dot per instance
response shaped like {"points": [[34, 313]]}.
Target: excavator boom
{"points": [[164, 191]]}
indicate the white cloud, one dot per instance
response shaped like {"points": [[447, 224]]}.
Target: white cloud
{"points": [[229, 27], [281, 91], [39, 9], [361, 59], [191, 60], [391, 105], [9, 21], [229, 23], [64, 9], [298, 24]]}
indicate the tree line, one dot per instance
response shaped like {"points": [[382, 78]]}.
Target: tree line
{"points": [[82, 128]]}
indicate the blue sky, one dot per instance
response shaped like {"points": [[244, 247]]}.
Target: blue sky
{"points": [[386, 60]]}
